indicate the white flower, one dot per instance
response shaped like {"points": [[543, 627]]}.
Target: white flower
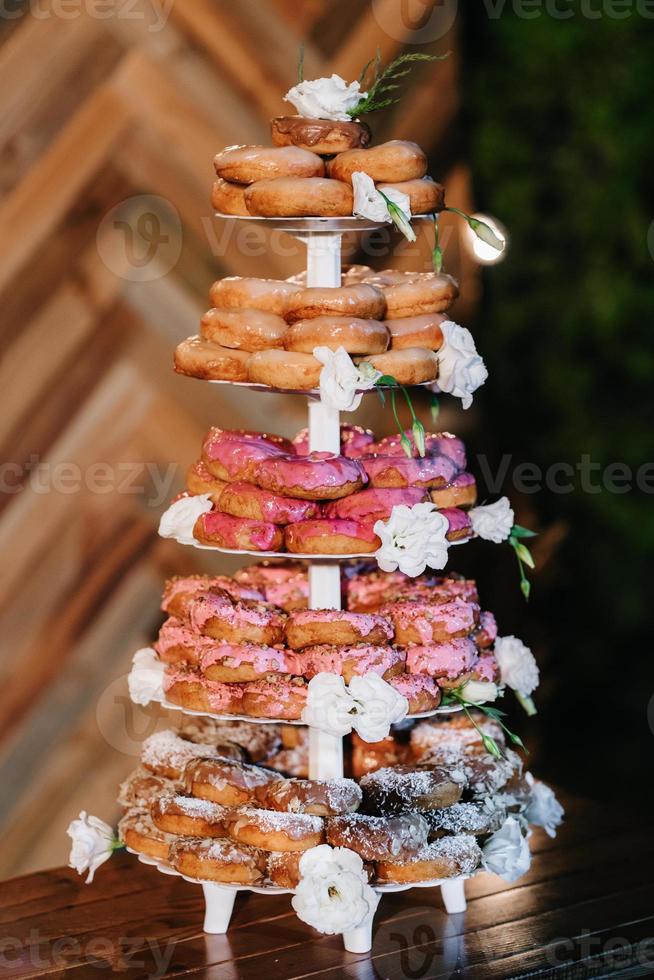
{"points": [[493, 522], [460, 368], [479, 691], [145, 680], [413, 538], [378, 706], [93, 843], [333, 894], [329, 705], [325, 98], [340, 379], [518, 667], [506, 852], [543, 809], [179, 520], [390, 205]]}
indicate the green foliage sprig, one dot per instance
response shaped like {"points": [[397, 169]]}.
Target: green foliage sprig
{"points": [[385, 80], [417, 428], [456, 697], [437, 251], [523, 555], [300, 63]]}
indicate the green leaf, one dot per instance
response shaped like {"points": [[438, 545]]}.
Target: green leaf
{"points": [[525, 587], [434, 407], [300, 63], [384, 81], [526, 703], [517, 531], [491, 745]]}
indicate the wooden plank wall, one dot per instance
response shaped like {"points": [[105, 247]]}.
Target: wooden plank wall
{"points": [[98, 114]]}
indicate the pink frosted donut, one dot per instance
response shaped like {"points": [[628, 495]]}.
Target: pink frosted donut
{"points": [[331, 537], [367, 591], [313, 627], [354, 441], [191, 690], [486, 668], [436, 444], [461, 492], [214, 614], [284, 584], [447, 659], [241, 662], [374, 504], [230, 458], [349, 662], [486, 632], [178, 643], [237, 533], [423, 623], [421, 691], [250, 435], [283, 699], [400, 471], [318, 476], [249, 501], [460, 525], [181, 590]]}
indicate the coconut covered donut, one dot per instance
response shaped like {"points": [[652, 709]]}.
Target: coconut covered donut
{"points": [[237, 533], [329, 536], [137, 831], [421, 691], [449, 658], [449, 857], [231, 458], [191, 690], [218, 860], [408, 366], [321, 797], [166, 753], [142, 787], [247, 293], [282, 698], [423, 622], [415, 293], [284, 868], [237, 663], [288, 370], [374, 504], [215, 614], [255, 742], [227, 782], [355, 335], [181, 591], [354, 441], [199, 358], [299, 197], [273, 830], [425, 195], [248, 330], [416, 331], [400, 471], [350, 661], [477, 817], [184, 815], [324, 136], [283, 583], [456, 734], [318, 476], [461, 492], [357, 300], [400, 788], [256, 504], [200, 480], [247, 164], [369, 756], [397, 160], [228, 198], [311, 627], [379, 838]]}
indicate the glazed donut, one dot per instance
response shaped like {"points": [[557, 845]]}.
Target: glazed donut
{"points": [[142, 787], [349, 662], [421, 691], [287, 370], [461, 492], [299, 197], [358, 300], [237, 533], [215, 614], [459, 524], [449, 658], [166, 754], [379, 838], [200, 480], [436, 444], [232, 458], [368, 756], [190, 690], [244, 293], [321, 797], [409, 366], [400, 788], [184, 815], [226, 782], [256, 742], [486, 632], [353, 334], [238, 663], [354, 441], [182, 590], [284, 868], [284, 584], [425, 195], [374, 504], [331, 537], [247, 164], [318, 476], [417, 293], [273, 830], [198, 358], [228, 198], [137, 831], [449, 857], [324, 136], [218, 860], [416, 331], [478, 817], [422, 622], [283, 699], [400, 471], [248, 330], [256, 504], [397, 160], [312, 627]]}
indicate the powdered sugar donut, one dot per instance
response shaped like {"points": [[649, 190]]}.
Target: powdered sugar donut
{"points": [[311, 627], [284, 699], [199, 358], [331, 537], [218, 860], [318, 476], [321, 797], [238, 663], [378, 838], [357, 300], [247, 330], [461, 492], [274, 830], [353, 334], [423, 623], [230, 458], [396, 160], [190, 690], [449, 658], [178, 814], [247, 164], [400, 471], [256, 504], [409, 366], [200, 480], [374, 504], [401, 788], [227, 782], [237, 533], [215, 614], [247, 293], [448, 857], [421, 691], [349, 662], [354, 441]]}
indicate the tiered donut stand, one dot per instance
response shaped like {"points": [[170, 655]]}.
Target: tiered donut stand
{"points": [[322, 237]]}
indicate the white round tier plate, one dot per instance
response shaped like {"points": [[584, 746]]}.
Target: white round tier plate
{"points": [[328, 226], [309, 392], [300, 556]]}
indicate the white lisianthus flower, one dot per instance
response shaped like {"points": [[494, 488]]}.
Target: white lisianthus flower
{"points": [[518, 667], [179, 520], [413, 538], [378, 706], [493, 522], [341, 379], [325, 98], [477, 692], [543, 809], [145, 680], [329, 705], [506, 852], [388, 206], [93, 844], [333, 894], [460, 368]]}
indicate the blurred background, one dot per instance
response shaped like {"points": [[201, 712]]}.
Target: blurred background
{"points": [[110, 115]]}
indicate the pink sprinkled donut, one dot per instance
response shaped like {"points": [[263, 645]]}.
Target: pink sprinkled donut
{"points": [[449, 658], [460, 525], [178, 643], [191, 690], [436, 444], [232, 459], [423, 623], [251, 502], [461, 492], [486, 632], [355, 441], [283, 583], [331, 537], [214, 614], [312, 627], [237, 533], [400, 471], [283, 699], [351, 661], [241, 662], [318, 476], [181, 590], [374, 504], [486, 668], [421, 691]]}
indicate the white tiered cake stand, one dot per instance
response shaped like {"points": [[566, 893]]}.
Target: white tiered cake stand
{"points": [[322, 237]]}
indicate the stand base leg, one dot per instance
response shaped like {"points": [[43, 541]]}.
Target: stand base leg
{"points": [[219, 905], [325, 755], [359, 940], [454, 896]]}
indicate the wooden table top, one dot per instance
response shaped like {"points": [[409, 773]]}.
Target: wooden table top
{"points": [[585, 909]]}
